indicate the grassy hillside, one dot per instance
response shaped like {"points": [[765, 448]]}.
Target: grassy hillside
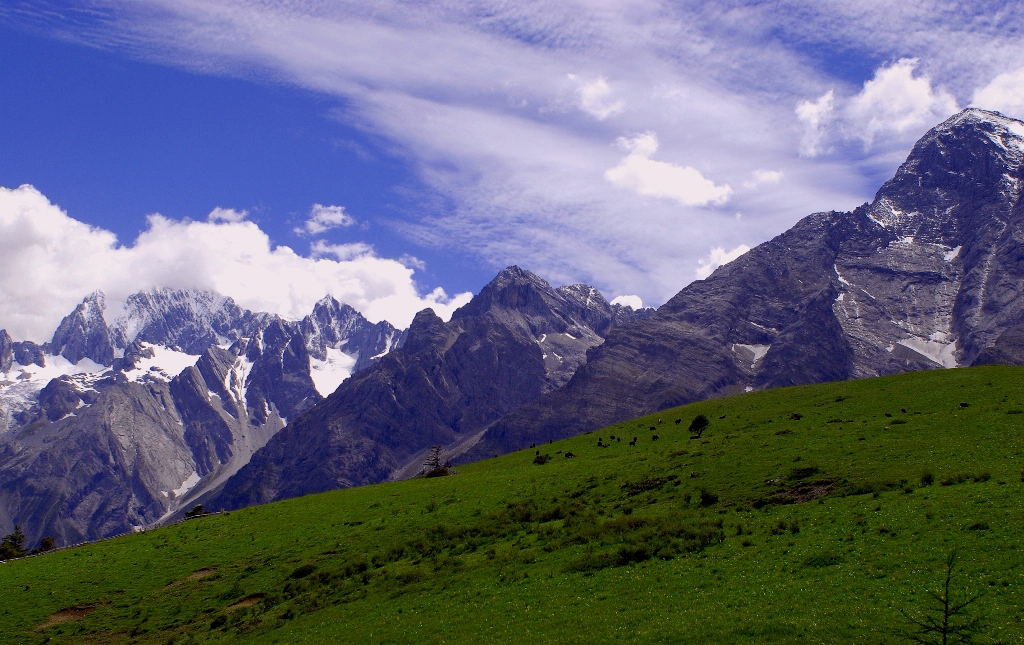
{"points": [[812, 514]]}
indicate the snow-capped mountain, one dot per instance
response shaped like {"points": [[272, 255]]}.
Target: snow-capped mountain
{"points": [[126, 416]]}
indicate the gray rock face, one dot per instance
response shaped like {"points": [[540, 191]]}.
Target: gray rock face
{"points": [[517, 339], [161, 413], [84, 333], [6, 351], [28, 353], [928, 275]]}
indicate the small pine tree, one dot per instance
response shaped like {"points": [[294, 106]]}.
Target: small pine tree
{"points": [[13, 544], [949, 621], [433, 466], [433, 460], [699, 424]]}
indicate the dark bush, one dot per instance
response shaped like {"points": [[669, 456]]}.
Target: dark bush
{"points": [[822, 560], [699, 424], [302, 571]]}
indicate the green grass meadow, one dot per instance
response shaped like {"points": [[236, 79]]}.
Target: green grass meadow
{"points": [[815, 514]]}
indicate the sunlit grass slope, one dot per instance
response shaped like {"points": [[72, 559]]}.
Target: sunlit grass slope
{"points": [[812, 514]]}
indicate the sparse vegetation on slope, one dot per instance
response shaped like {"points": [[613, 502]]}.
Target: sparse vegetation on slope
{"points": [[813, 514]]}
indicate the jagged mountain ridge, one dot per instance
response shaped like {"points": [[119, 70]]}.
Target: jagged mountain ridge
{"points": [[927, 275], [515, 340], [116, 425]]}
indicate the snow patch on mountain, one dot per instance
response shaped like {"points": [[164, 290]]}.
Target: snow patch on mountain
{"points": [[236, 380], [185, 487], [329, 373], [936, 348], [162, 363], [753, 352]]}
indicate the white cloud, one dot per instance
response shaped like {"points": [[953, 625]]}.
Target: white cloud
{"points": [[472, 96], [1004, 93], [220, 214], [50, 261], [346, 251], [636, 302], [412, 262], [815, 116], [762, 177], [323, 218], [896, 102], [891, 110], [651, 178], [596, 98], [716, 258]]}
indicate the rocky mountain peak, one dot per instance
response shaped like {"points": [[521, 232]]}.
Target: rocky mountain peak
{"points": [[84, 334], [584, 295], [190, 319], [514, 290], [954, 178], [424, 332]]}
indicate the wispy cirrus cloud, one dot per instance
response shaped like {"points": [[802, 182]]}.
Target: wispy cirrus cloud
{"points": [[512, 111]]}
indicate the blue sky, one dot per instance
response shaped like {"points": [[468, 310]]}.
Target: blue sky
{"points": [[631, 144]]}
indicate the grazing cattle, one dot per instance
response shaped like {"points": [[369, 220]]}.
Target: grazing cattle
{"points": [[569, 455]]}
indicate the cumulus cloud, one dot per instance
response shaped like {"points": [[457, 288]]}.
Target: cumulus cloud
{"points": [[412, 262], [1004, 93], [815, 117], [345, 251], [220, 214], [49, 261], [651, 178], [892, 109], [716, 258], [636, 302], [762, 177], [595, 98], [323, 218], [897, 102]]}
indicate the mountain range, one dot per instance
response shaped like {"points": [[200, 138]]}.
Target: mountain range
{"points": [[126, 419]]}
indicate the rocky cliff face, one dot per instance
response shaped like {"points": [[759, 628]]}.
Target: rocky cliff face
{"points": [[517, 339], [927, 275], [118, 425]]}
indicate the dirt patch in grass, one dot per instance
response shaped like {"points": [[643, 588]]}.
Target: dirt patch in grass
{"points": [[198, 574], [248, 601], [799, 493], [66, 615]]}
